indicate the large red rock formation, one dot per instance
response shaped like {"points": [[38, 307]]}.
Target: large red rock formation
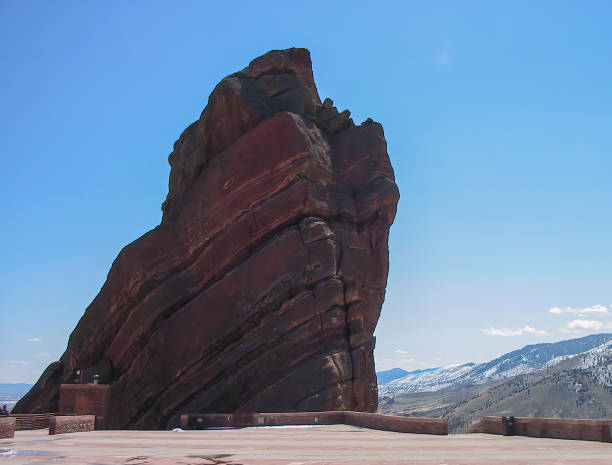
{"points": [[261, 288]]}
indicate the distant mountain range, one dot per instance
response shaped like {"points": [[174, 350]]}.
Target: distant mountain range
{"points": [[10, 393], [526, 360], [566, 379], [13, 390], [384, 377]]}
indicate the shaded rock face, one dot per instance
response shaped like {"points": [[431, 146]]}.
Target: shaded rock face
{"points": [[261, 288]]}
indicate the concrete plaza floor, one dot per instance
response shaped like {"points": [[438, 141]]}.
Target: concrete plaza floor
{"points": [[295, 446]]}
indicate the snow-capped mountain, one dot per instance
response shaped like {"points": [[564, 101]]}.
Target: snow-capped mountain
{"points": [[432, 379], [593, 349], [597, 362]]}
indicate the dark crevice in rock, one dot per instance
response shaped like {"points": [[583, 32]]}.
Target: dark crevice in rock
{"points": [[318, 391]]}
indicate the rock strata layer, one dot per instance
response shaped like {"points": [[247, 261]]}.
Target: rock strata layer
{"points": [[261, 288]]}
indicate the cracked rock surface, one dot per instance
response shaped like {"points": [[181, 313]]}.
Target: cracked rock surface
{"points": [[261, 288]]}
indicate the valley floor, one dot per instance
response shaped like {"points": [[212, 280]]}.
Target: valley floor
{"points": [[322, 445]]}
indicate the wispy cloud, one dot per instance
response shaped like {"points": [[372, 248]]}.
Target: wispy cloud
{"points": [[525, 330], [19, 362], [399, 351], [42, 354], [578, 326], [35, 339], [579, 311]]}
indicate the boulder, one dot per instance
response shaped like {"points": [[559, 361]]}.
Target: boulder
{"points": [[261, 288]]}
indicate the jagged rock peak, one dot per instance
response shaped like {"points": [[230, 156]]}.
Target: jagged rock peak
{"points": [[280, 80], [296, 60]]}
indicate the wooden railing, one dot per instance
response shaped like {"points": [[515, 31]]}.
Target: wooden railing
{"points": [[25, 421]]}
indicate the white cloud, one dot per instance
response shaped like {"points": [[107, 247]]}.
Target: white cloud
{"points": [[19, 362], [557, 310], [584, 324], [579, 311], [576, 326], [42, 354], [35, 339], [595, 309], [399, 351], [525, 330]]}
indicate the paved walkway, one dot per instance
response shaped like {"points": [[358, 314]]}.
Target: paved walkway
{"points": [[322, 445]]}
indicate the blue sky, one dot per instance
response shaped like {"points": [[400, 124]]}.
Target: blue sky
{"points": [[498, 118]]}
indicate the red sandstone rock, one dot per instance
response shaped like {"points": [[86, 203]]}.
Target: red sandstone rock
{"points": [[7, 427], [71, 424], [261, 288]]}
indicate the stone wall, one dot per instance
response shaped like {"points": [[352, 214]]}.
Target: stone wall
{"points": [[7, 427], [488, 425], [83, 399], [361, 419], [398, 424], [559, 428], [71, 424]]}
